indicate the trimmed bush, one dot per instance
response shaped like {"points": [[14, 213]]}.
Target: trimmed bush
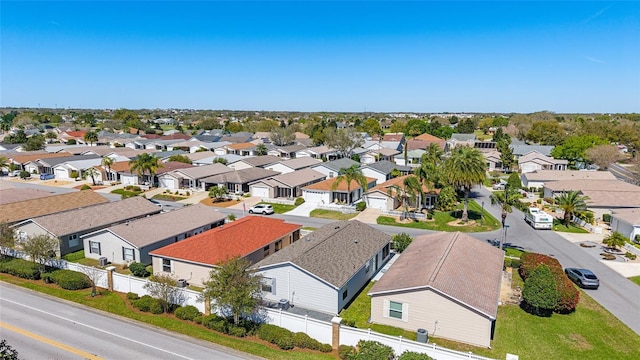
{"points": [[85, 187], [143, 303], [299, 201], [346, 352], [568, 295], [606, 218], [305, 341], [187, 312], [156, 307], [630, 256], [21, 268], [283, 338], [69, 279], [361, 206], [374, 350], [132, 296], [198, 319], [138, 269], [237, 331], [410, 355], [541, 291]]}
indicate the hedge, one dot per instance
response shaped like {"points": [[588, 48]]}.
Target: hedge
{"points": [[138, 269], [187, 313], [148, 304], [346, 352], [281, 337], [304, 341], [132, 296], [21, 268], [299, 201], [68, 279], [410, 355], [361, 206], [568, 295]]}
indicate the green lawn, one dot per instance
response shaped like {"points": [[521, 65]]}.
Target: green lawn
{"points": [[114, 303], [591, 332], [572, 228], [166, 197], [126, 193], [635, 279], [331, 214], [441, 220], [280, 208], [513, 252]]}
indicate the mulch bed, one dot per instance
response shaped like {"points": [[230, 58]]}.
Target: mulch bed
{"points": [[224, 204]]}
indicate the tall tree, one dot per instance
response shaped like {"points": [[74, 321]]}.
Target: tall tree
{"points": [[465, 168], [571, 202], [180, 158], [430, 165], [92, 173], [145, 163], [574, 148], [261, 150], [547, 132], [35, 142], [91, 137], [40, 248], [7, 239], [107, 162], [343, 140], [281, 136], [163, 286], [372, 127], [409, 190], [603, 155], [234, 287], [4, 163], [506, 199], [350, 174]]}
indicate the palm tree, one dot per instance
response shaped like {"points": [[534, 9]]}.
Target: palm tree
{"points": [[218, 192], [615, 240], [465, 168], [410, 190], [261, 149], [429, 170], [350, 174], [107, 162], [4, 163], [91, 137], [571, 202], [145, 163], [92, 173]]}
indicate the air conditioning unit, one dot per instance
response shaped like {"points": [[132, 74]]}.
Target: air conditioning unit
{"points": [[103, 261], [182, 283], [283, 304]]}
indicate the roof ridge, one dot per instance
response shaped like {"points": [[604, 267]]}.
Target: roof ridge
{"points": [[445, 254], [340, 228]]}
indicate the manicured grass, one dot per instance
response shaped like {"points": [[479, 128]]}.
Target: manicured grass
{"points": [[115, 303], [635, 279], [166, 197], [126, 193], [309, 228], [441, 220], [330, 214], [513, 252], [591, 332], [280, 208], [559, 226], [75, 256]]}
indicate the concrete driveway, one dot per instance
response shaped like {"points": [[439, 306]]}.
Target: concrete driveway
{"points": [[303, 210]]}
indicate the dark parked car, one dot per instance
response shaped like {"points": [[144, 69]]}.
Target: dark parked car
{"points": [[583, 277]]}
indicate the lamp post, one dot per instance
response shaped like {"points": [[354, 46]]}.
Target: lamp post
{"points": [[482, 215]]}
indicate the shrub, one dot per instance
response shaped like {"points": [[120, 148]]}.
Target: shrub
{"points": [[568, 295], [549, 200], [530, 261], [237, 331], [410, 355], [374, 350], [187, 312], [283, 338], [231, 217], [350, 323], [400, 241], [208, 320], [138, 269], [73, 174], [21, 268], [361, 206], [540, 291], [346, 352], [630, 256], [132, 296], [606, 218], [299, 201], [156, 307], [198, 319], [70, 280], [304, 341], [85, 187], [326, 348], [539, 201], [143, 303]]}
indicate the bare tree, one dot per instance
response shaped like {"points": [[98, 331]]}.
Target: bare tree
{"points": [[603, 155], [343, 140], [7, 239], [41, 248], [281, 136], [163, 286], [95, 275]]}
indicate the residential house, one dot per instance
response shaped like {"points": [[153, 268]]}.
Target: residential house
{"points": [[252, 238], [626, 222], [445, 283], [326, 269], [229, 159], [603, 194], [382, 170], [493, 161], [255, 161], [291, 165], [322, 152], [286, 152], [332, 168], [378, 155], [288, 185], [68, 226], [73, 169], [384, 196], [191, 178], [534, 161], [27, 160], [244, 148], [538, 178], [23, 210], [412, 158], [237, 181], [430, 139], [460, 140], [132, 241], [323, 192], [521, 149], [373, 145]]}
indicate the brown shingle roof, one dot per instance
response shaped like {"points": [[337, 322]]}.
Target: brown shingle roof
{"points": [[631, 216], [327, 184], [96, 216], [238, 238], [32, 156], [455, 264], [261, 160], [557, 175], [8, 196], [27, 209], [240, 176], [333, 252]]}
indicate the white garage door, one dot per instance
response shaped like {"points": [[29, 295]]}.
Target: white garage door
{"points": [[129, 180], [377, 203], [314, 196], [167, 183], [260, 191], [61, 174]]}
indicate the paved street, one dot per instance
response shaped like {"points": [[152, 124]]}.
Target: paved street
{"points": [[40, 327]]}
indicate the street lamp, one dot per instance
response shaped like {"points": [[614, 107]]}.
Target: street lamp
{"points": [[482, 216]]}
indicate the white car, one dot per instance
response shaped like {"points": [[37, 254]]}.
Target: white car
{"points": [[263, 209]]}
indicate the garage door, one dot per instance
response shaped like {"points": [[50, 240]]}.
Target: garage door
{"points": [[313, 196], [61, 174], [167, 183], [260, 191], [377, 203], [129, 180]]}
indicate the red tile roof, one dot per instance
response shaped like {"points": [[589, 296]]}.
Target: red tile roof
{"points": [[77, 134], [239, 238]]}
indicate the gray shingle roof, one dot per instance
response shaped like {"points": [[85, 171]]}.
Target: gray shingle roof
{"points": [[299, 177], [456, 264], [523, 149], [386, 166], [96, 216], [59, 160], [300, 163], [339, 164], [198, 172], [260, 161], [333, 252], [240, 176]]}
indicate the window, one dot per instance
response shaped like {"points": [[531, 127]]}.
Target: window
{"points": [[128, 254], [166, 265], [331, 174], [385, 251], [73, 240], [266, 251], [269, 285], [345, 293], [94, 247], [395, 310], [278, 245], [367, 267]]}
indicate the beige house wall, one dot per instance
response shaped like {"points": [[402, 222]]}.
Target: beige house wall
{"points": [[193, 273], [441, 316]]}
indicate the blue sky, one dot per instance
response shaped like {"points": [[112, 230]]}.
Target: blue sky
{"points": [[323, 56]]}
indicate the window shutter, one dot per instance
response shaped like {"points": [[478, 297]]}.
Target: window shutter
{"points": [[405, 312], [385, 308], [99, 249], [273, 286], [123, 258]]}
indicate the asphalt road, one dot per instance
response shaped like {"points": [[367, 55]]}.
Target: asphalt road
{"points": [[40, 327]]}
